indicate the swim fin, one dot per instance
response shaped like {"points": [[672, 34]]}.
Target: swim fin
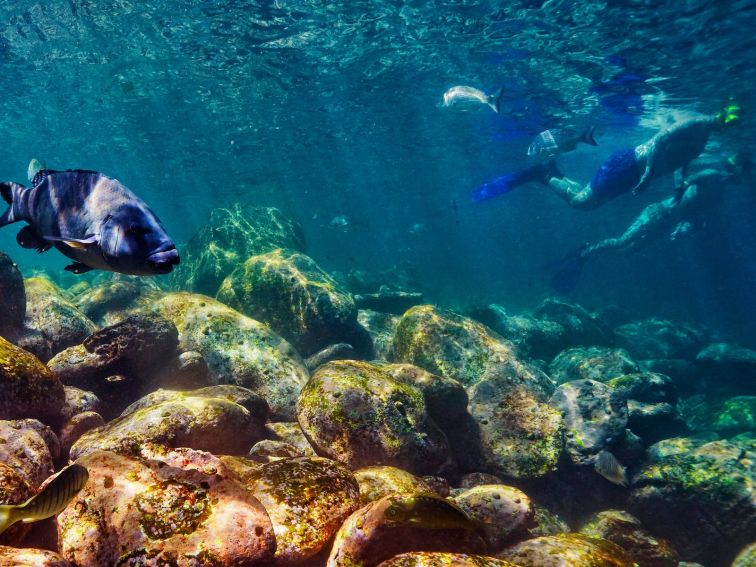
{"points": [[568, 271], [539, 173]]}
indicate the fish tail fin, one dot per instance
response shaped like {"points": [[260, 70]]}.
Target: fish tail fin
{"points": [[8, 516], [494, 100], [9, 192], [588, 136], [539, 173], [568, 271]]}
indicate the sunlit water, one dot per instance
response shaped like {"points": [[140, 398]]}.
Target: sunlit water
{"points": [[329, 109]]}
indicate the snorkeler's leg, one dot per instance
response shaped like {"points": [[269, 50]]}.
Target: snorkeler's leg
{"points": [[538, 173], [576, 195]]}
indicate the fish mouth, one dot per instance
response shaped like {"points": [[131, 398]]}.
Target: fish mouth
{"points": [[162, 262]]}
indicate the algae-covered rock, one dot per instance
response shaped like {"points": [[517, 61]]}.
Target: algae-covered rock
{"points": [[575, 550], [269, 450], [77, 426], [369, 537], [301, 302], [53, 323], [379, 481], [512, 434], [430, 559], [291, 434], [78, 401], [658, 339], [381, 328], [506, 513], [231, 235], [114, 300], [726, 365], [25, 450], [746, 557], [547, 523], [581, 326], [14, 489], [26, 557], [594, 416], [238, 350], [12, 298], [356, 413], [700, 496], [727, 416], [204, 419], [591, 363], [307, 499], [141, 512], [627, 532], [457, 347], [27, 387]]}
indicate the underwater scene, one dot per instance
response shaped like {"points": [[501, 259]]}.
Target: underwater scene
{"points": [[390, 283]]}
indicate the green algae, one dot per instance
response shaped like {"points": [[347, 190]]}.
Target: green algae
{"points": [[171, 507]]}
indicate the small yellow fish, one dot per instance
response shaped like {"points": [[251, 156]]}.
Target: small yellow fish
{"points": [[50, 502], [430, 511], [610, 468]]}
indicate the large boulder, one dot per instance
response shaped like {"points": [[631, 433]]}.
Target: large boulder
{"points": [[381, 480], [30, 557], [658, 339], [238, 350], [27, 387], [141, 512], [581, 326], [114, 300], [575, 550], [12, 298], [356, 413], [290, 292], [231, 235], [728, 366], [211, 419], [438, 559], [53, 323], [381, 328], [591, 363], [457, 347], [700, 496], [25, 450], [726, 416]]}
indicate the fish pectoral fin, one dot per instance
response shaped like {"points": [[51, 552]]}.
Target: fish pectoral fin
{"points": [[78, 268], [78, 243]]}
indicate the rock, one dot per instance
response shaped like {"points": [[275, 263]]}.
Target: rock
{"points": [[511, 434], [627, 532], [700, 496], [379, 481], [291, 434], [470, 480], [747, 557], [12, 556], [581, 327], [112, 301], [728, 366], [595, 415], [388, 301], [575, 550], [25, 450], [648, 387], [367, 537], [232, 235], [727, 416], [269, 450], [77, 426], [140, 512], [685, 375], [380, 327], [457, 347], [339, 351], [12, 299], [301, 302], [658, 338], [78, 401], [238, 350], [430, 559], [307, 499], [53, 323], [591, 363], [445, 398], [547, 523], [534, 337], [14, 489], [204, 419], [506, 513], [27, 387], [187, 371], [117, 362], [355, 413]]}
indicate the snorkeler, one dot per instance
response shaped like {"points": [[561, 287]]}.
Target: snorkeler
{"points": [[632, 169], [673, 217]]}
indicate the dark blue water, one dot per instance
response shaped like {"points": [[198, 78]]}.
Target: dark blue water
{"points": [[334, 109]]}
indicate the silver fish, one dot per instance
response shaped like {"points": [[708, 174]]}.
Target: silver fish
{"points": [[610, 468], [558, 141], [462, 93], [50, 502]]}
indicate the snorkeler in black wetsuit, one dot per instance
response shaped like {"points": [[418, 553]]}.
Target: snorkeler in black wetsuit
{"points": [[625, 170], [673, 217]]}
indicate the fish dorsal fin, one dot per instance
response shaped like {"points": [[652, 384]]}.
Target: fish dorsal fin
{"points": [[35, 166]]}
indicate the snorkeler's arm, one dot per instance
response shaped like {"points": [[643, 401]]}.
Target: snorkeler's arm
{"points": [[645, 179]]}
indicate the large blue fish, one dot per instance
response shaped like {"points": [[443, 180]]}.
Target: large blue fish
{"points": [[91, 218]]}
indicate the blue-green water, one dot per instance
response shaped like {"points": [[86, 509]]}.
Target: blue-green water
{"points": [[327, 109]]}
